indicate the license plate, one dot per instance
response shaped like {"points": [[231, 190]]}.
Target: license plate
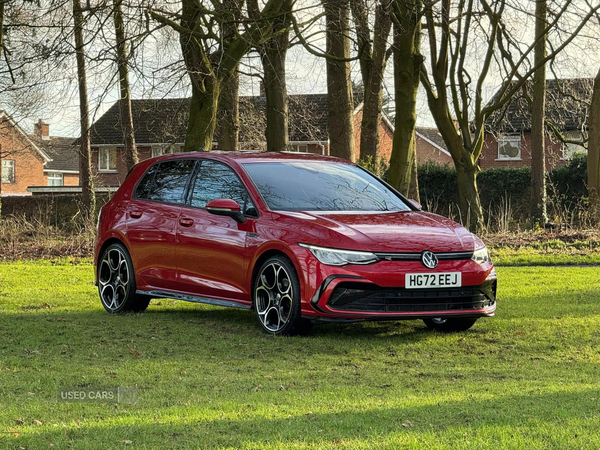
{"points": [[432, 280]]}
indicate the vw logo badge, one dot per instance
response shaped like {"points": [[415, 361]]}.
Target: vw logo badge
{"points": [[429, 259]]}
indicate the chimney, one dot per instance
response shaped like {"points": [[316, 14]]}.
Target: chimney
{"points": [[42, 130], [263, 92]]}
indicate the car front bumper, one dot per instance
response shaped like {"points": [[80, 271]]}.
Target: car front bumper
{"points": [[377, 291]]}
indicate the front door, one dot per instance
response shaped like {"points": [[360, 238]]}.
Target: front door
{"points": [[211, 252]]}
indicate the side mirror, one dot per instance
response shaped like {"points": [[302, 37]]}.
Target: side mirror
{"points": [[226, 207], [415, 203]]}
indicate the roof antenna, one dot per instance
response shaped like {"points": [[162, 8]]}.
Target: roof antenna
{"points": [[201, 149]]}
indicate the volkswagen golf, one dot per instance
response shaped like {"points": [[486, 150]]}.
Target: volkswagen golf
{"points": [[296, 238]]}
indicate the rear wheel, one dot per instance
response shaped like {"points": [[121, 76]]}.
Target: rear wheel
{"points": [[276, 298], [116, 282], [449, 325]]}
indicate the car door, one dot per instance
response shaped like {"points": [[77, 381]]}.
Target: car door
{"points": [[152, 219], [211, 252]]}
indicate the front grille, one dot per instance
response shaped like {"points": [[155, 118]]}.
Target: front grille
{"points": [[360, 298]]}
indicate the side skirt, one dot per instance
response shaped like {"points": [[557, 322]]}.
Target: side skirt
{"points": [[193, 299]]}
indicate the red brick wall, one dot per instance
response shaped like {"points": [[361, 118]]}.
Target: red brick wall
{"points": [[386, 137], [427, 152], [29, 164], [489, 154]]}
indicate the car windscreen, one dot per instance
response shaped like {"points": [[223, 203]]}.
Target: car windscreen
{"points": [[321, 186]]}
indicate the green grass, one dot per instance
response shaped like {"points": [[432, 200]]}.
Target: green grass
{"points": [[209, 378], [528, 256]]}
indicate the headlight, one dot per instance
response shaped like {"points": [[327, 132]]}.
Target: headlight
{"points": [[481, 256], [334, 257]]}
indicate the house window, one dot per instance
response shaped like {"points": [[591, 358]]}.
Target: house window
{"points": [[8, 171], [569, 149], [162, 149], [107, 159], [55, 179], [509, 147]]}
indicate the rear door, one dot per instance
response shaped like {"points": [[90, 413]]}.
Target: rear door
{"points": [[152, 219], [211, 253]]}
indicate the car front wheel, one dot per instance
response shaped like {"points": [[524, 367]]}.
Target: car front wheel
{"points": [[449, 325], [276, 298], [116, 282]]}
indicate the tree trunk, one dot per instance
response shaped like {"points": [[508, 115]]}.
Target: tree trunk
{"points": [[413, 191], [277, 130], [207, 72], [593, 159], [373, 83], [85, 158], [1, 55], [131, 154], [469, 203], [407, 66], [228, 115], [273, 55], [340, 117], [203, 114], [538, 115]]}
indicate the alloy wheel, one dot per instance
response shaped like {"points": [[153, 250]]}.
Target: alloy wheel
{"points": [[274, 297], [113, 277]]}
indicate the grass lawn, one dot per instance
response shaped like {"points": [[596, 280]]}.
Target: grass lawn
{"points": [[209, 378]]}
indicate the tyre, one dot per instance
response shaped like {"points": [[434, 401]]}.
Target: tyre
{"points": [[449, 325], [276, 298], [116, 282]]}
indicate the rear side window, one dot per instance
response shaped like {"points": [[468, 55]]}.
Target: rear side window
{"points": [[166, 182], [215, 181], [143, 188]]}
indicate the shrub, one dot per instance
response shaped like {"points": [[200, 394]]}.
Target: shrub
{"points": [[508, 191]]}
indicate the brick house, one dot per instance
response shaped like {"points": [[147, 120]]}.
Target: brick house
{"points": [[508, 131], [160, 127], [34, 160], [431, 147]]}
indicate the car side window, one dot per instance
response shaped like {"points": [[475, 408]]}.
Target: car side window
{"points": [[170, 181], [145, 184], [216, 180]]}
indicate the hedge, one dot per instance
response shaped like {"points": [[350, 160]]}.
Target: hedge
{"points": [[566, 188]]}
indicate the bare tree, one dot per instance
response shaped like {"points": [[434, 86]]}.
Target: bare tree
{"points": [[538, 117], [131, 154], [593, 159], [455, 92], [374, 55], [85, 160], [228, 112], [210, 60], [272, 55], [339, 84], [407, 67]]}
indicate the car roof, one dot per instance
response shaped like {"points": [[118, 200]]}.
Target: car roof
{"points": [[253, 156]]}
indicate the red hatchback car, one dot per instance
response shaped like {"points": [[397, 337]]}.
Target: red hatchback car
{"points": [[298, 238]]}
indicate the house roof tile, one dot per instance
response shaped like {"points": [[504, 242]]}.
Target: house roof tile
{"points": [[165, 120], [567, 107], [62, 151]]}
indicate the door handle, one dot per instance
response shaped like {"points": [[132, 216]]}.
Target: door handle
{"points": [[186, 222], [135, 214]]}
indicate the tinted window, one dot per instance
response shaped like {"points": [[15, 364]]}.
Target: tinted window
{"points": [[170, 181], [143, 188], [321, 186], [216, 180]]}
